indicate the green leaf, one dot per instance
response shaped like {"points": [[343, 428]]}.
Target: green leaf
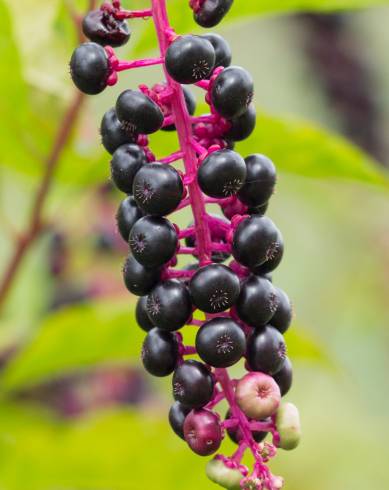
{"points": [[74, 338], [303, 346]]}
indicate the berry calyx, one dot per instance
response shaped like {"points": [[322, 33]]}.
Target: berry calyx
{"points": [[103, 28], [258, 395], [89, 68], [193, 384], [160, 352], [202, 432], [190, 59]]}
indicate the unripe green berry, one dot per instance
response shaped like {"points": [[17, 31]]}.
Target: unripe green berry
{"points": [[226, 477], [288, 426]]}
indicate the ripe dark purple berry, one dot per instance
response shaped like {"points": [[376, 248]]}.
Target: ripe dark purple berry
{"points": [[125, 163], [242, 126], [222, 49], [193, 384], [214, 288], [177, 416], [190, 101], [212, 12], [128, 214], [102, 28], [222, 173], [141, 316], [153, 241], [138, 279], [89, 68], [168, 305], [235, 433], [232, 92], [158, 189], [220, 342], [274, 260], [138, 113], [283, 316], [256, 240], [257, 301], [266, 350], [284, 377], [190, 59], [203, 432], [260, 181], [160, 352], [113, 133]]}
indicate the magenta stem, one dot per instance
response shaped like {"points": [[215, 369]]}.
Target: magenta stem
{"points": [[203, 84], [207, 118], [129, 65], [133, 14], [200, 150], [173, 157]]}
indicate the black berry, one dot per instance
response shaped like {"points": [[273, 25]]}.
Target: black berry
{"points": [[89, 68], [260, 210], [158, 189], [266, 350], [220, 342], [190, 59], [283, 316], [168, 305], [260, 181], [160, 352], [138, 113], [125, 163], [141, 315], [256, 240], [138, 279], [222, 173], [232, 92], [274, 259], [257, 301], [113, 133], [153, 241], [128, 214], [284, 377], [102, 28], [193, 384], [190, 101], [214, 288], [242, 126], [177, 415], [222, 49], [212, 12]]}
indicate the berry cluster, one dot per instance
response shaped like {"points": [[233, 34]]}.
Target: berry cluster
{"points": [[238, 312]]}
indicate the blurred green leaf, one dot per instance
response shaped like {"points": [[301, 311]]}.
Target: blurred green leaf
{"points": [[114, 450], [302, 345], [74, 338]]}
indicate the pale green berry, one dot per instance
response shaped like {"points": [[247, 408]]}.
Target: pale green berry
{"points": [[226, 477], [288, 426]]}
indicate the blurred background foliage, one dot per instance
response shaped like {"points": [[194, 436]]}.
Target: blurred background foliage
{"points": [[76, 410]]}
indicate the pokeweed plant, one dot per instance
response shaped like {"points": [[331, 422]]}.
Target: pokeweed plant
{"points": [[237, 310]]}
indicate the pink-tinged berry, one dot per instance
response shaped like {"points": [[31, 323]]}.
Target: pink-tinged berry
{"points": [[258, 395], [202, 432]]}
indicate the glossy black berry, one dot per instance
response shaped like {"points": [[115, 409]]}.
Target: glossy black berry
{"points": [[255, 241], [283, 316], [266, 350], [153, 241], [193, 384], [222, 174], [113, 133], [128, 214], [220, 342], [177, 416], [102, 28], [212, 12], [284, 377], [274, 259], [257, 301], [168, 305], [125, 163], [190, 101], [235, 433], [158, 189], [89, 68], [160, 352], [138, 113], [214, 288], [232, 92], [260, 210], [222, 49], [190, 59], [260, 181], [218, 235], [138, 279], [242, 126], [141, 316]]}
